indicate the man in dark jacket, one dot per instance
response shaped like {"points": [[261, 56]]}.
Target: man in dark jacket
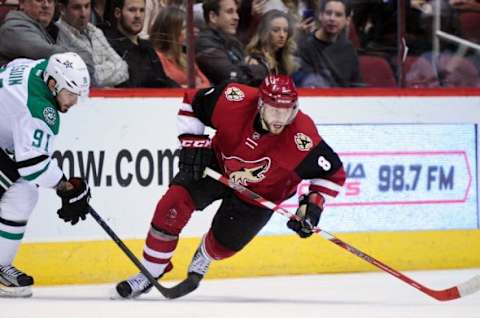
{"points": [[144, 66], [327, 57], [219, 54]]}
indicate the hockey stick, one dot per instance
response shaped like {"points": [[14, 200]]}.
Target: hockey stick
{"points": [[466, 288], [166, 292]]}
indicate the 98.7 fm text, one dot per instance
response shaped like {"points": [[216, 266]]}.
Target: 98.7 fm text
{"points": [[412, 177]]}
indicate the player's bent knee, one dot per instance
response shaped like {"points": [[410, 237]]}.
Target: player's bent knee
{"points": [[173, 210], [214, 249]]}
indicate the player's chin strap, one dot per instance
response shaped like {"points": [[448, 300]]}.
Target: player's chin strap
{"points": [[469, 287]]}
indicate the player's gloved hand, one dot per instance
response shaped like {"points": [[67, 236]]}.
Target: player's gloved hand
{"points": [[309, 210], [196, 154], [75, 194]]}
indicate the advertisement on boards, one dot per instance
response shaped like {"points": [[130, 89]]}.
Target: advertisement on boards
{"points": [[399, 176]]}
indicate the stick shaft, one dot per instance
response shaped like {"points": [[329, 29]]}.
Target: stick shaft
{"points": [[127, 251]]}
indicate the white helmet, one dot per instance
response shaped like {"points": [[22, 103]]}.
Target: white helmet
{"points": [[69, 71]]}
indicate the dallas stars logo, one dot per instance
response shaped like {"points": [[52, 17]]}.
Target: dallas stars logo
{"points": [[303, 142], [68, 64], [234, 94], [50, 115]]}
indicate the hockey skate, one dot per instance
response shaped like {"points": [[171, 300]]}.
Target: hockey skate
{"points": [[14, 283], [134, 286], [199, 265], [197, 269], [137, 285]]}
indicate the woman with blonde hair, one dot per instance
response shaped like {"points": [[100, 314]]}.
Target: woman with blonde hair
{"points": [[273, 45], [167, 35]]}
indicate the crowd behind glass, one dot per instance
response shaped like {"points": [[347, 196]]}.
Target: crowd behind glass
{"points": [[320, 43]]}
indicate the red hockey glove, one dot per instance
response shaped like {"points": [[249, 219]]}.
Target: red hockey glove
{"points": [[310, 209], [196, 154], [74, 201]]}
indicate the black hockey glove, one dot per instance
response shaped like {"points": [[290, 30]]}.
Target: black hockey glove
{"points": [[310, 209], [196, 154], [74, 201]]}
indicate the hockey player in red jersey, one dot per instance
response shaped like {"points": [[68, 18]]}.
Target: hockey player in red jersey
{"points": [[262, 141]]}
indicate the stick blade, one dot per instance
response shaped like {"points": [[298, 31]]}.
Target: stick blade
{"points": [[185, 287], [464, 289]]}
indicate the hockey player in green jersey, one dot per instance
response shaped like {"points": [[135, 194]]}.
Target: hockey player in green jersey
{"points": [[32, 93]]}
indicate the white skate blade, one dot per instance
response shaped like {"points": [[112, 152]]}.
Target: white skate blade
{"points": [[15, 292]]}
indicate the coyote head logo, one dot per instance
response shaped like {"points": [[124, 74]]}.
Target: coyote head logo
{"points": [[243, 171]]}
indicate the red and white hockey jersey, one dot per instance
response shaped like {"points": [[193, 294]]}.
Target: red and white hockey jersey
{"points": [[270, 165]]}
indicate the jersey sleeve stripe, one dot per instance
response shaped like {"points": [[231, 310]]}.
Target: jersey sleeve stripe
{"points": [[35, 175], [189, 125], [47, 176], [187, 122], [326, 184], [5, 182], [8, 170], [187, 108], [31, 162], [185, 113], [12, 223], [11, 236], [323, 190]]}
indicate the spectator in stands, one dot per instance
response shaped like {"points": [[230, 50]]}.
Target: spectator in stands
{"points": [[273, 45], [144, 67], [24, 33], [219, 54], [251, 11], [168, 35], [77, 33], [326, 58]]}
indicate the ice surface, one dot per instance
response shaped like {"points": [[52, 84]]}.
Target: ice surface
{"points": [[372, 295]]}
